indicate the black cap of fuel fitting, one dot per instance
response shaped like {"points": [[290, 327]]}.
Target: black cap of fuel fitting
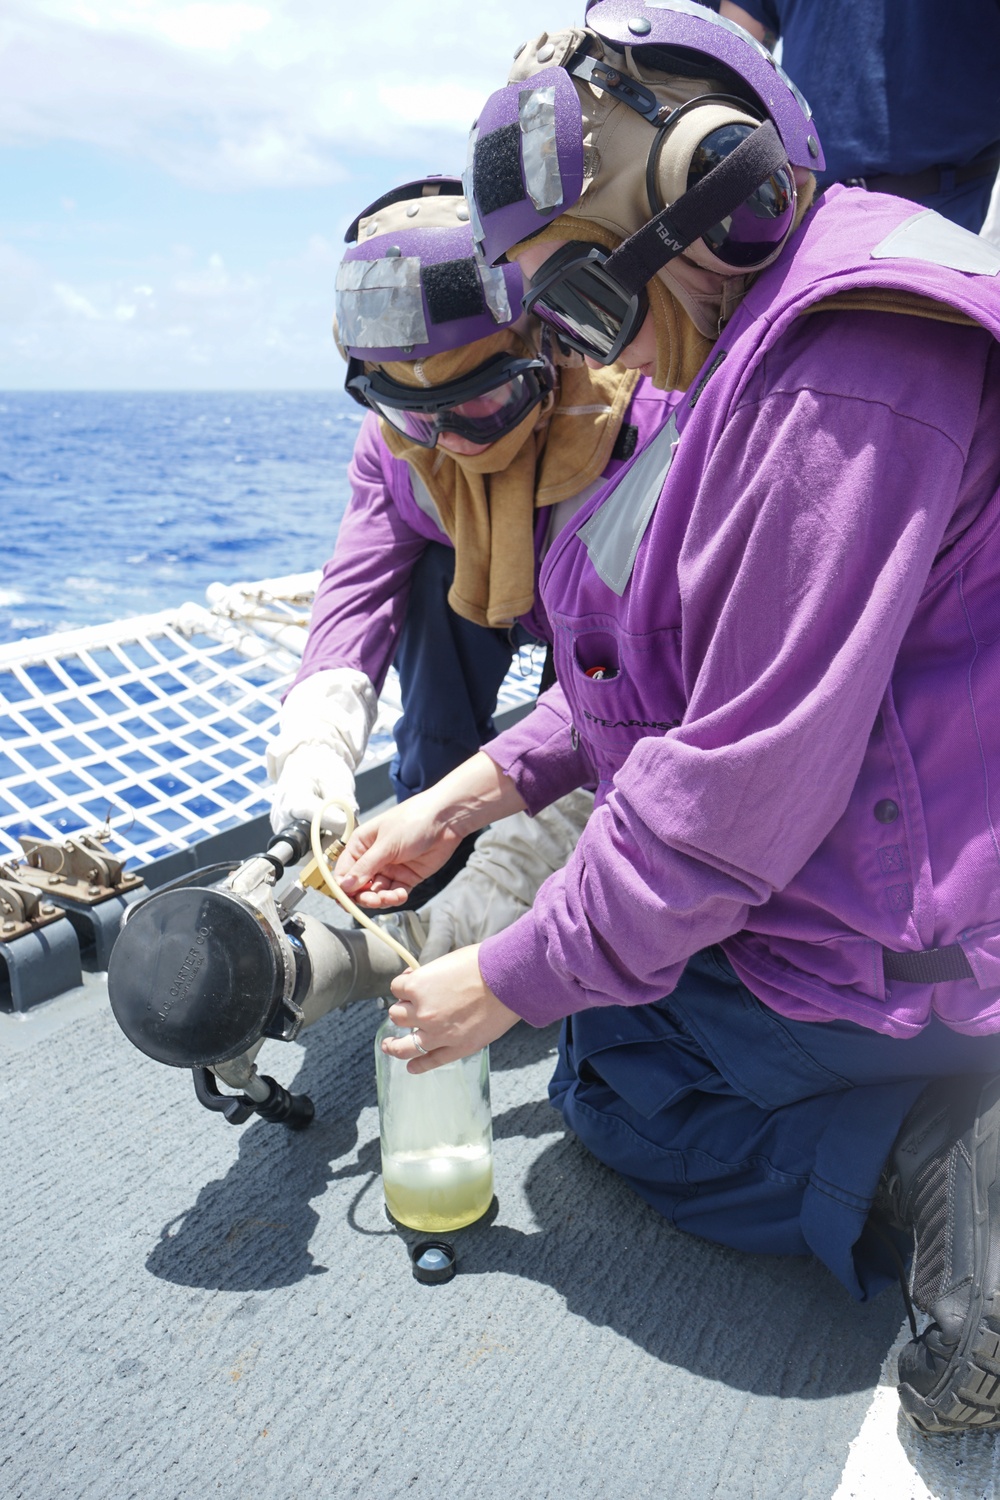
{"points": [[434, 1262], [194, 978]]}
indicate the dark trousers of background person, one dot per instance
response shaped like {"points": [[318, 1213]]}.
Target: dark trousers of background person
{"points": [[450, 672]]}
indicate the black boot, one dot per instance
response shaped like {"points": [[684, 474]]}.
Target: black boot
{"points": [[941, 1181]]}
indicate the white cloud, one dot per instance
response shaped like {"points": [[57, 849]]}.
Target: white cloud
{"points": [[22, 286], [73, 301], [210, 28], [225, 93], [192, 324]]}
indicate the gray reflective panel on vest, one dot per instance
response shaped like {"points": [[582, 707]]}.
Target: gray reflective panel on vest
{"points": [[614, 531], [939, 242], [425, 499]]}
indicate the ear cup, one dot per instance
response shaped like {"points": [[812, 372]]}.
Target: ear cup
{"points": [[685, 151]]}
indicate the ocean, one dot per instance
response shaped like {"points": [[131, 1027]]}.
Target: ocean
{"points": [[116, 504]]}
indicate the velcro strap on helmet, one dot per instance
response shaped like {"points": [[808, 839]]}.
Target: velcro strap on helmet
{"points": [[453, 290], [637, 259], [497, 180]]}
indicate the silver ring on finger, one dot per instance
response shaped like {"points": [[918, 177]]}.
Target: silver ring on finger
{"points": [[416, 1042]]}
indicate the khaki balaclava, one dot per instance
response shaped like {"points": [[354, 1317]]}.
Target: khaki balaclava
{"points": [[487, 502]]}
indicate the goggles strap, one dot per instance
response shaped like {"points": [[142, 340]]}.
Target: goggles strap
{"points": [[719, 192]]}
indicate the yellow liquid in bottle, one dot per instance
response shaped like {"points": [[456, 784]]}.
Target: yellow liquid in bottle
{"points": [[435, 1191]]}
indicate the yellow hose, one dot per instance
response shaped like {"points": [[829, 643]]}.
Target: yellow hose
{"points": [[323, 865]]}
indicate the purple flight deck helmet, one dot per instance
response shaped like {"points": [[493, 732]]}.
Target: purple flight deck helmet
{"points": [[526, 153], [411, 286]]}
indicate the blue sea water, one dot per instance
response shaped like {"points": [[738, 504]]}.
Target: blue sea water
{"points": [[116, 504]]}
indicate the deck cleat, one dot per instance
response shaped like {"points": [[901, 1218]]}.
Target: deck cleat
{"points": [[84, 880], [39, 951]]}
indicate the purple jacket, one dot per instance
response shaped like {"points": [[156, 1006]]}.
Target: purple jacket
{"points": [[361, 601], [799, 753]]}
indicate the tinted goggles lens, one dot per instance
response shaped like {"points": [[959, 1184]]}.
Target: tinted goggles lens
{"points": [[588, 311], [481, 407]]}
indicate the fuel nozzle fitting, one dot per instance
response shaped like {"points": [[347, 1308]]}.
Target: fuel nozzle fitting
{"points": [[278, 1106]]}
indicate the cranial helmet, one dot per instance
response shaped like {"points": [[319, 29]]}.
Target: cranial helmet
{"points": [[670, 127], [411, 284], [410, 288]]}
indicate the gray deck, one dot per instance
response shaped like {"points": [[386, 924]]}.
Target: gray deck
{"points": [[191, 1308]]}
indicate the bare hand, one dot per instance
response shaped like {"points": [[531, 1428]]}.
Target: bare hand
{"points": [[386, 857], [451, 1008]]}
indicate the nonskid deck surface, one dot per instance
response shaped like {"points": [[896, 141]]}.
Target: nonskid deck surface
{"points": [[192, 1308]]}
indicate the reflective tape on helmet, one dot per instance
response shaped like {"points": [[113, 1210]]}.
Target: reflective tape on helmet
{"points": [[526, 131], [536, 113], [380, 303], [495, 291]]}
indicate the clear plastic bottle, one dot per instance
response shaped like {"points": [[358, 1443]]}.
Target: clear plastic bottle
{"points": [[437, 1138]]}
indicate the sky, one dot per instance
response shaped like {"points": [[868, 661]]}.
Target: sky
{"points": [[176, 178]]}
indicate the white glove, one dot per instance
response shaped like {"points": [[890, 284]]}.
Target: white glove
{"points": [[323, 730], [498, 885]]}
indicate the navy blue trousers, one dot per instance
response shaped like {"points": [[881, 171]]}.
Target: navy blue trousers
{"points": [[450, 672], [748, 1129]]}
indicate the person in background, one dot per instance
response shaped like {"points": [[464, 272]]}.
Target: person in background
{"points": [[775, 949], [906, 95], [475, 447]]}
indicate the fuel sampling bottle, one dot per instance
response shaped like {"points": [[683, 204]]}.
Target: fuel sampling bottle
{"points": [[437, 1138]]}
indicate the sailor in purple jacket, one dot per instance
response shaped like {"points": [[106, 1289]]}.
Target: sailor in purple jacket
{"points": [[474, 449], [777, 644]]}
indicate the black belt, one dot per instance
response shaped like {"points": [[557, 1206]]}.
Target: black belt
{"points": [[932, 966], [927, 183]]}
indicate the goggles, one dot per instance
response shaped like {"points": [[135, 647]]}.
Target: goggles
{"points": [[481, 407], [586, 308]]}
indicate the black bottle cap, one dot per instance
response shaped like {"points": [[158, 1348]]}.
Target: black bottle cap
{"points": [[434, 1262]]}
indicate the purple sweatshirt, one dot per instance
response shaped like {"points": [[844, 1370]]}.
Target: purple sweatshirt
{"points": [[361, 601], [798, 754]]}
